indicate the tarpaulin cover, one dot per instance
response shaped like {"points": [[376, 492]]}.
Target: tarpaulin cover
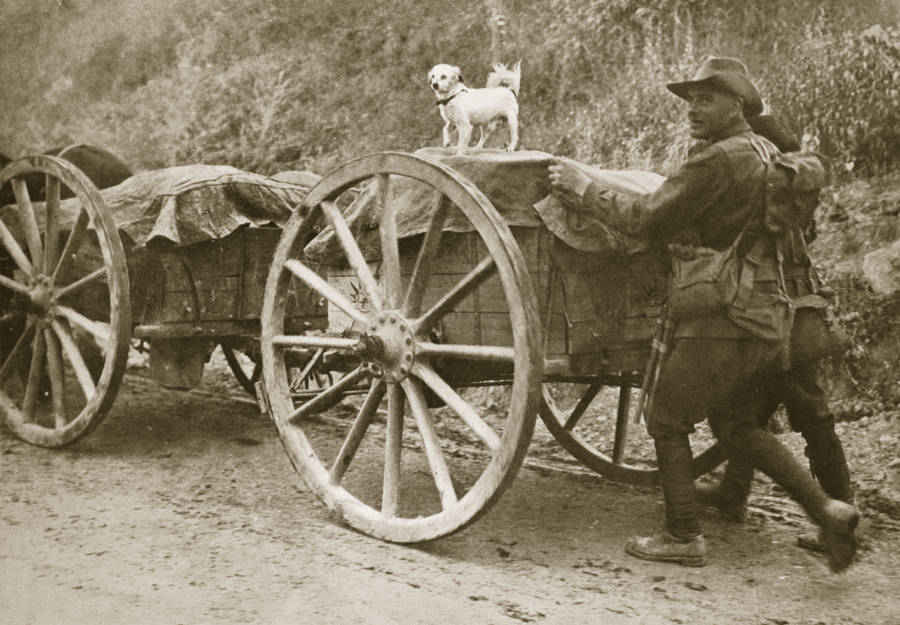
{"points": [[517, 185], [190, 204]]}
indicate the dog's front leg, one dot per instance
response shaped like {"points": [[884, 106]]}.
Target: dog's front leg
{"points": [[512, 119], [465, 135], [447, 135]]}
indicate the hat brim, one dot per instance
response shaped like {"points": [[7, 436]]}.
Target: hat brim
{"points": [[735, 85]]}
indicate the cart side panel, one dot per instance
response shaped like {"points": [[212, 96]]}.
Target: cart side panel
{"points": [[612, 304], [188, 299], [215, 282]]}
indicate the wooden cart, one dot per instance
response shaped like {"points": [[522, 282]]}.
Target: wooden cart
{"points": [[459, 332], [467, 325], [74, 298]]}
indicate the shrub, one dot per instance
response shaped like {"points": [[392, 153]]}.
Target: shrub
{"points": [[275, 84], [845, 85]]}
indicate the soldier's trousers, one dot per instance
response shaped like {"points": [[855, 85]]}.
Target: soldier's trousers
{"points": [[724, 381], [806, 402]]}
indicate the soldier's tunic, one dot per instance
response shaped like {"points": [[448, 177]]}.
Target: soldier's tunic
{"points": [[714, 367]]}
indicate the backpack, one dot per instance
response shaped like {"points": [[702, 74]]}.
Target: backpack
{"points": [[793, 183]]}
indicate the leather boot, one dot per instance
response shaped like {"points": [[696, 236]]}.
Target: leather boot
{"points": [[837, 520], [829, 466], [730, 495], [682, 541], [664, 547]]}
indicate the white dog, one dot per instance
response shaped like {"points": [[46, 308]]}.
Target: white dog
{"points": [[466, 108]]}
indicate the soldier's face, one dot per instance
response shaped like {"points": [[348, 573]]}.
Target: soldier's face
{"points": [[711, 112]]}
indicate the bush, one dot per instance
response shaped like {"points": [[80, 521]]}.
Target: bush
{"points": [[846, 88], [277, 84]]}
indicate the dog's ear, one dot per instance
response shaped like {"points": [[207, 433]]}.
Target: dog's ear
{"points": [[517, 68], [457, 72]]}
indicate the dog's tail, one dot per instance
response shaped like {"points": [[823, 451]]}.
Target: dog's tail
{"points": [[503, 76]]}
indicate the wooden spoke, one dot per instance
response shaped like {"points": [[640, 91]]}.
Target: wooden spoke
{"points": [[390, 252], [357, 431], [393, 445], [621, 435], [73, 242], [57, 378], [33, 385], [582, 406], [321, 286], [310, 365], [12, 285], [459, 292], [99, 331], [70, 349], [354, 254], [328, 397], [15, 252], [20, 344], [51, 225], [28, 221], [467, 352], [431, 442], [79, 284], [430, 245], [314, 340], [245, 366], [458, 405]]}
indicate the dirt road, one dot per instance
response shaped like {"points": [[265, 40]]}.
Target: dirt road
{"points": [[182, 508]]}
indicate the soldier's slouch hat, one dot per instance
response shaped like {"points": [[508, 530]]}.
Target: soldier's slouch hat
{"points": [[724, 74]]}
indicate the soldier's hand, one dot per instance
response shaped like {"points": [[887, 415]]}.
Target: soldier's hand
{"points": [[567, 178]]}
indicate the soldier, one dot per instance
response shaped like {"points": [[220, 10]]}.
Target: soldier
{"points": [[800, 389], [717, 361]]}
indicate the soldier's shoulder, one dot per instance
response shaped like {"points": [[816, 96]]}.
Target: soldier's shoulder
{"points": [[707, 151]]}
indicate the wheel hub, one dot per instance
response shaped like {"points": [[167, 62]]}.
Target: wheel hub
{"points": [[41, 295], [391, 346]]}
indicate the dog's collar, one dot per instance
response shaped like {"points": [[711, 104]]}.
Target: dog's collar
{"points": [[446, 100]]}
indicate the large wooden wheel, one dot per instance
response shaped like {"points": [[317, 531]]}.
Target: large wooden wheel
{"points": [[66, 320], [592, 418], [396, 468]]}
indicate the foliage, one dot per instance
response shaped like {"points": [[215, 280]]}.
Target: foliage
{"points": [[292, 84], [855, 219], [846, 86]]}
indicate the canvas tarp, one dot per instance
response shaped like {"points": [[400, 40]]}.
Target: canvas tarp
{"points": [[189, 204], [516, 183]]}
